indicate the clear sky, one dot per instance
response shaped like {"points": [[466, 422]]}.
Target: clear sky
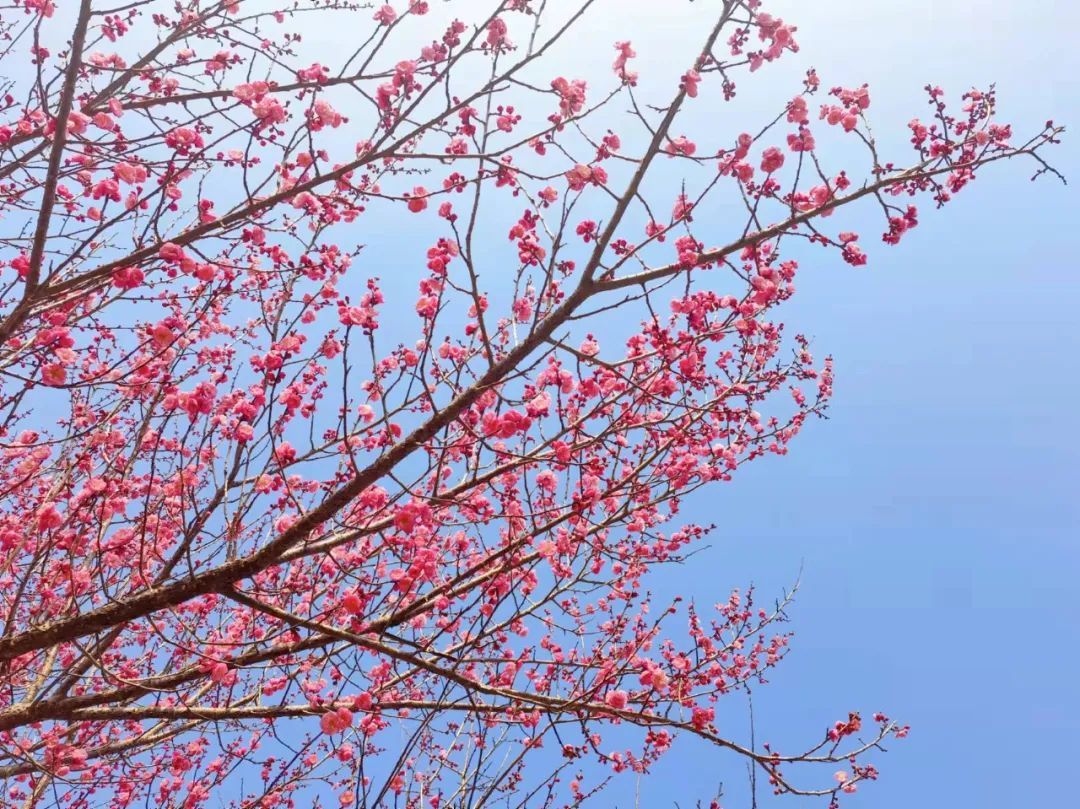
{"points": [[935, 514]]}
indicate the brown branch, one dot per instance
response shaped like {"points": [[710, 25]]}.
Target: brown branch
{"points": [[56, 156]]}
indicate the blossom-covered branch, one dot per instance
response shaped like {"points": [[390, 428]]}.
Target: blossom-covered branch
{"points": [[359, 391]]}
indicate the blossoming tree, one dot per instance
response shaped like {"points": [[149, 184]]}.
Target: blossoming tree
{"points": [[348, 398]]}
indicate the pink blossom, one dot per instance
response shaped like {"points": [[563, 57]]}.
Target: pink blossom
{"points": [[130, 173], [681, 146], [336, 721], [418, 199], [616, 699], [385, 15], [626, 52], [690, 81], [128, 278], [771, 160], [48, 517], [171, 252], [571, 95], [497, 35], [54, 374], [547, 480]]}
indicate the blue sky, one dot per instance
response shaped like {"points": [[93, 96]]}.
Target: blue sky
{"points": [[933, 517], [935, 514]]}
